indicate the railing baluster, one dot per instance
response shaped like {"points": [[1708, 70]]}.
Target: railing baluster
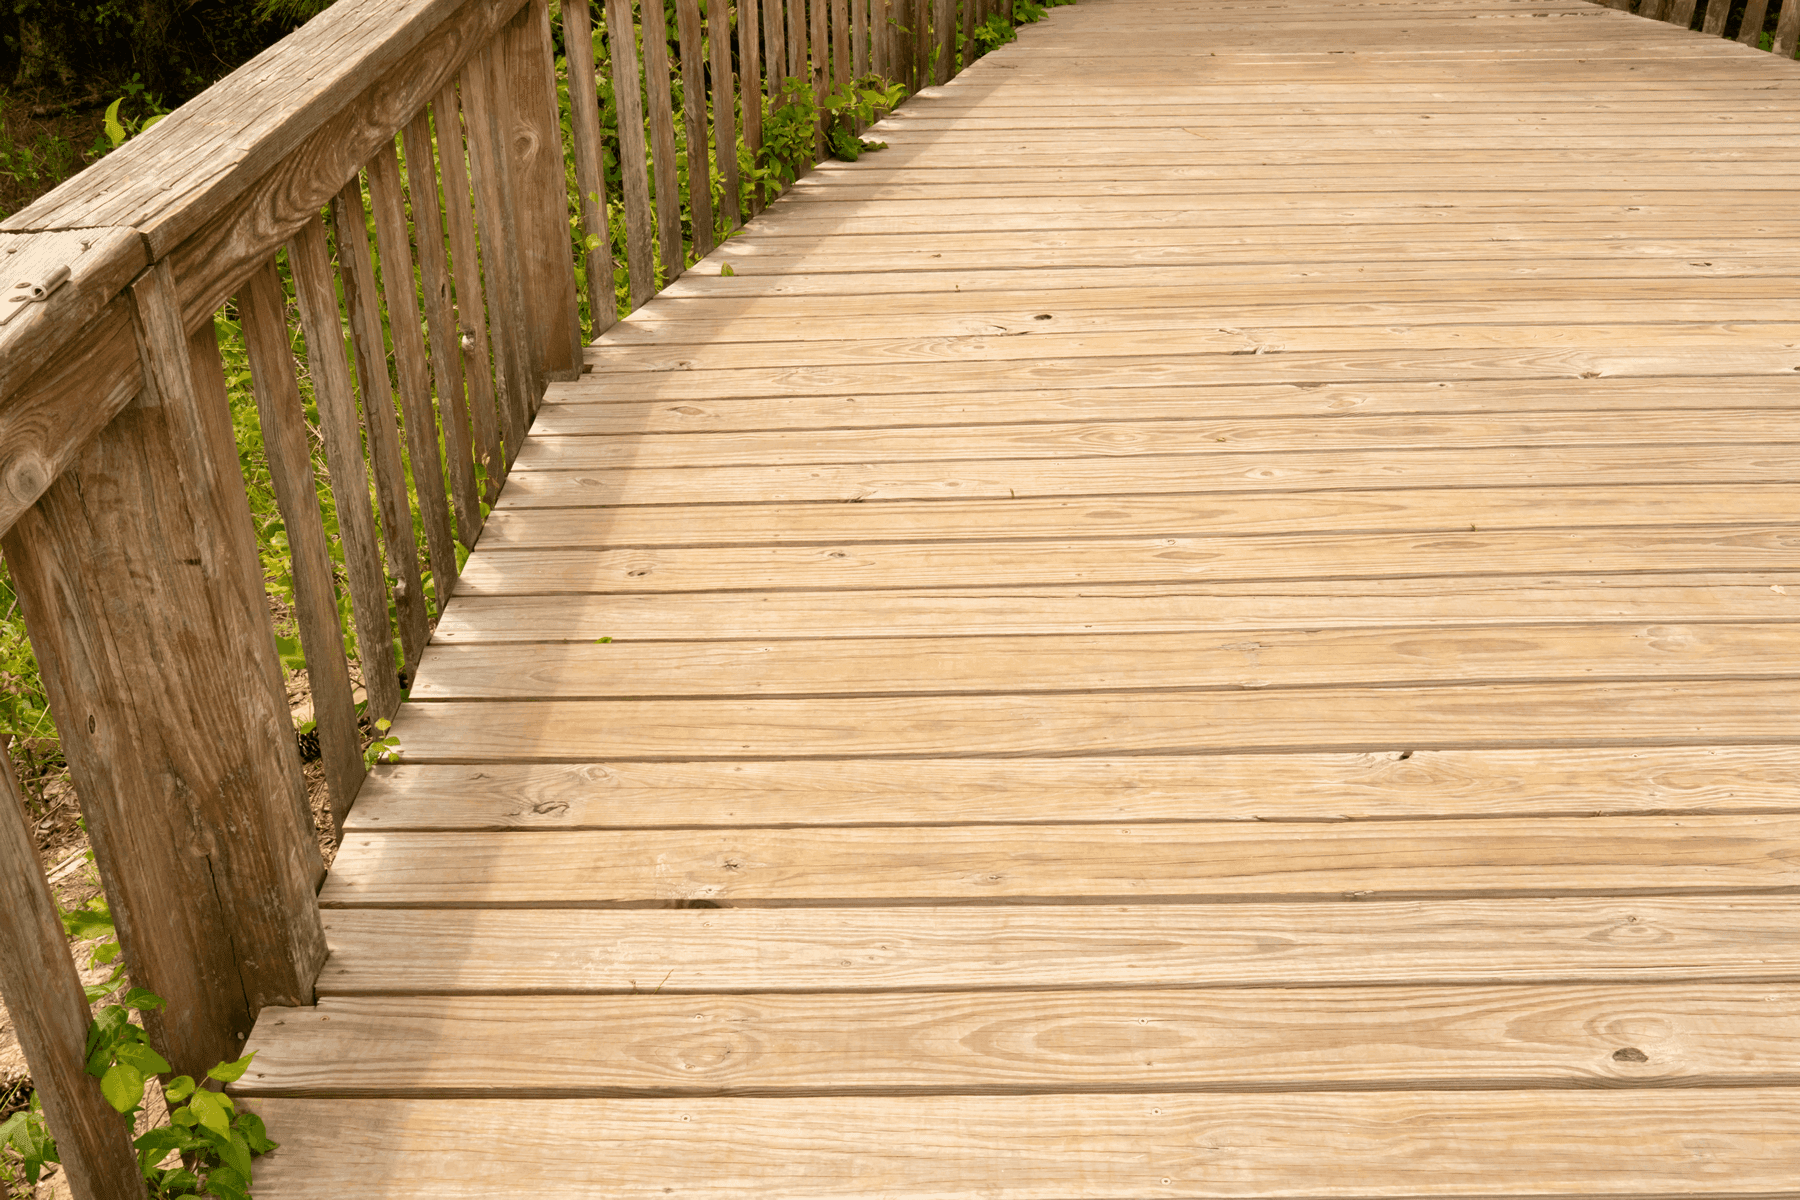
{"points": [[621, 41], [362, 300], [262, 310], [840, 42], [499, 242], [724, 96], [50, 1015], [859, 37], [944, 25], [440, 317], [590, 177], [819, 60], [309, 260], [1756, 12], [1717, 13], [525, 62], [662, 143], [1787, 29], [395, 247], [471, 299], [693, 110]]}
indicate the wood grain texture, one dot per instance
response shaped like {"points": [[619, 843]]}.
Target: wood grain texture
{"points": [[634, 163], [1289, 787], [49, 1014], [590, 174], [1535, 1143], [1243, 1040], [710, 951], [1640, 856]]}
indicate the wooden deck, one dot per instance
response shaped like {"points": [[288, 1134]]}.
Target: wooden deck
{"points": [[1220, 620]]}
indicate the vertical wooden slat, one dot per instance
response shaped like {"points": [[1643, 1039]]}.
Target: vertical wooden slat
{"points": [[750, 88], [1682, 13], [493, 212], [1717, 11], [263, 310], [391, 237], [1756, 12], [1653, 9], [590, 177], [142, 590], [819, 62], [944, 25], [621, 41], [440, 317], [968, 32], [1787, 29], [693, 112], [881, 38], [662, 143], [796, 40], [859, 38], [50, 1016], [840, 43], [471, 301], [362, 301], [724, 95], [921, 43], [774, 50], [537, 172], [316, 297]]}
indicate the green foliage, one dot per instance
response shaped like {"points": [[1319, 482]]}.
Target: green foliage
{"points": [[385, 748], [26, 1135]]}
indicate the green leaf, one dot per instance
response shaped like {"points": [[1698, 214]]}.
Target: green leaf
{"points": [[115, 132], [144, 1001], [184, 1117], [251, 1126], [178, 1089], [209, 1109], [231, 1072], [123, 1087], [725, 270], [141, 1056], [177, 1180]]}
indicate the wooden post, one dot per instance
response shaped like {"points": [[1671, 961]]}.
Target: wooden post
{"points": [[1716, 13], [1787, 30], [692, 41], [621, 42], [1755, 13], [525, 54], [143, 595], [1681, 13], [44, 999], [724, 94], [590, 177]]}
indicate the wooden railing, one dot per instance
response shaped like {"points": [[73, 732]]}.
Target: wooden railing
{"points": [[1712, 17], [435, 124]]}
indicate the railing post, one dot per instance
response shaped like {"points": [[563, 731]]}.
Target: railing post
{"points": [[44, 999], [143, 595], [540, 201]]}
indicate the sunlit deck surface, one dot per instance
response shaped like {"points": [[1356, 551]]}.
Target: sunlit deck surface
{"points": [[1219, 620]]}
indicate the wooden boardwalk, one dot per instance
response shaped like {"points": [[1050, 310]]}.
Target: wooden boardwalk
{"points": [[1220, 620]]}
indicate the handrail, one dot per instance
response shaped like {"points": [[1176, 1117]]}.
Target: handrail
{"points": [[384, 142]]}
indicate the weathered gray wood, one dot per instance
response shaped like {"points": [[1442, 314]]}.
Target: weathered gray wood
{"points": [[143, 594], [471, 301], [859, 37], [819, 61], [524, 55], [95, 265], [484, 110], [750, 84], [621, 41], [840, 42], [362, 303], [421, 429], [1756, 12], [693, 111], [968, 31], [1787, 30], [263, 311], [671, 261], [1681, 13], [796, 40], [316, 297], [724, 93], [203, 158], [943, 23], [1717, 12], [49, 1015], [590, 178], [440, 317]]}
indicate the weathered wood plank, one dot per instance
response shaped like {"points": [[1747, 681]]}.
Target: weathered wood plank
{"points": [[590, 175], [1017, 521], [670, 257], [1147, 562], [262, 309], [1150, 474], [1241, 1040], [473, 951], [49, 1014], [1514, 1144], [1454, 601], [958, 665], [622, 45], [1287, 787], [315, 296], [724, 94], [694, 119], [1493, 716]]}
